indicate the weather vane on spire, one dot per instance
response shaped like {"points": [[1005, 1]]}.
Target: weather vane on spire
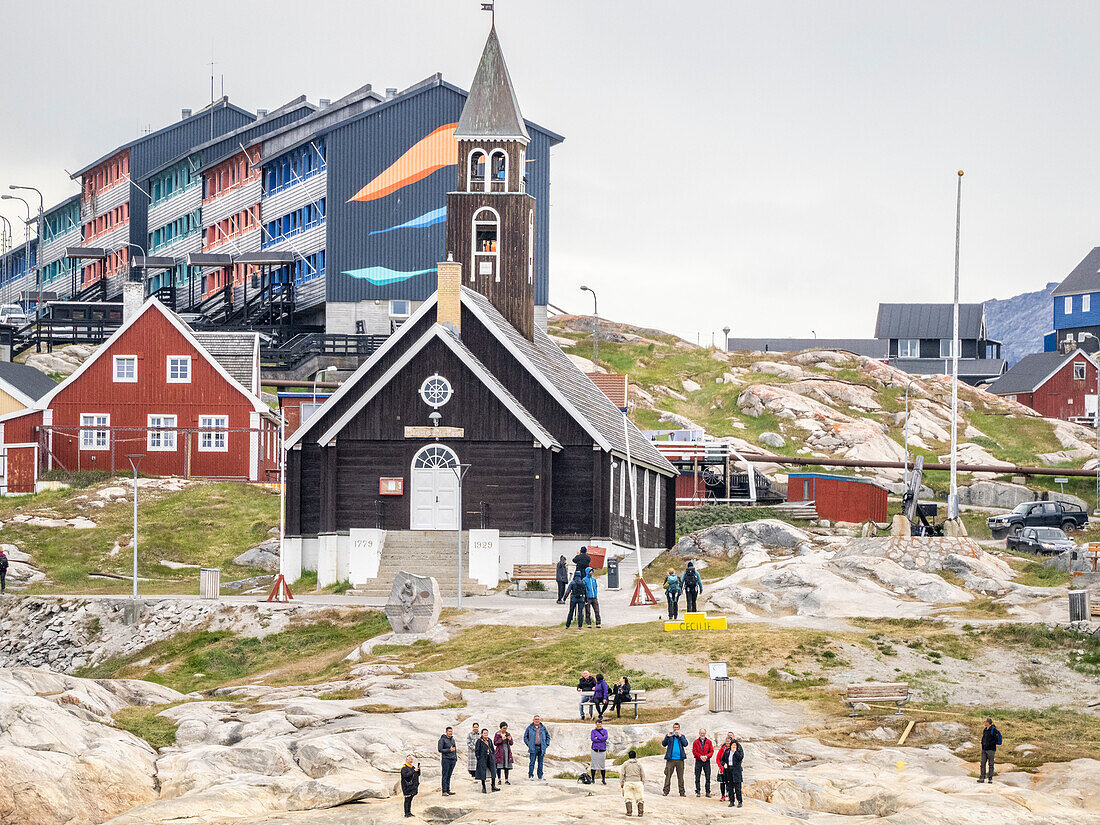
{"points": [[492, 12]]}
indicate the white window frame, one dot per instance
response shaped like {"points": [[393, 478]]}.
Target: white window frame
{"points": [[945, 344], [186, 359], [489, 169], [474, 254], [1078, 367], [91, 431], [657, 477], [122, 359], [1068, 305], [904, 347], [484, 183], [645, 497], [160, 436], [622, 488], [213, 437], [1086, 303], [395, 314]]}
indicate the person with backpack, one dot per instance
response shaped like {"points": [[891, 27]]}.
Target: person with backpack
{"points": [[731, 766], [693, 586], [632, 782], [410, 783], [537, 740], [3, 571], [578, 595], [598, 736], [582, 560], [673, 586], [702, 749], [592, 603], [991, 738], [676, 748], [561, 576]]}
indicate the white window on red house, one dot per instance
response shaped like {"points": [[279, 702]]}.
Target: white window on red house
{"points": [[213, 433], [126, 368], [179, 369], [95, 431], [161, 434], [1078, 372]]}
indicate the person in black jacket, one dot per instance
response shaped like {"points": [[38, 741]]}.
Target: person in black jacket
{"points": [[486, 761], [561, 575], [583, 561], [448, 757], [410, 783], [3, 571], [991, 738], [586, 684], [578, 596], [732, 758], [693, 586], [619, 694]]}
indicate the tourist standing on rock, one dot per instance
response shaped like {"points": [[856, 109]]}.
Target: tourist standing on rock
{"points": [[676, 747], [991, 738], [486, 758], [561, 576], [631, 782], [502, 752], [584, 685], [620, 694], [471, 750], [599, 751], [582, 560], [601, 695], [537, 740], [673, 586], [592, 603], [702, 749], [693, 586], [578, 595], [410, 783], [718, 763], [3, 571], [448, 757], [732, 758]]}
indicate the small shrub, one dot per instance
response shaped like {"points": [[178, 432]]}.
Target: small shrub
{"points": [[535, 586]]}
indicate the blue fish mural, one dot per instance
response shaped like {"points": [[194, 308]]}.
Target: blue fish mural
{"points": [[425, 220], [381, 275]]}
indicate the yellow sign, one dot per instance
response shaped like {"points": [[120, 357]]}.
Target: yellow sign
{"points": [[434, 432], [697, 621]]}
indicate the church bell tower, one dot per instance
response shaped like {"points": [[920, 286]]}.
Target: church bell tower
{"points": [[490, 217]]}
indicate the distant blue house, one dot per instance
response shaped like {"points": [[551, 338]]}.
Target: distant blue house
{"points": [[1076, 306]]}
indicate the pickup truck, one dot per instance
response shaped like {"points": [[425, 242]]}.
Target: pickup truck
{"points": [[1049, 541], [1039, 514]]}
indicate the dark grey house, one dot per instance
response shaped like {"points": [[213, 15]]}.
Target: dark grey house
{"points": [[919, 336]]}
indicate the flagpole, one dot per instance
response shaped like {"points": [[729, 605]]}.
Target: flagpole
{"points": [[953, 494]]}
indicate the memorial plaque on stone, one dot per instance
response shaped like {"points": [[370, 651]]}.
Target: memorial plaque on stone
{"points": [[414, 603]]}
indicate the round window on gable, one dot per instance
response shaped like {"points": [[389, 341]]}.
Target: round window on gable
{"points": [[435, 391]]}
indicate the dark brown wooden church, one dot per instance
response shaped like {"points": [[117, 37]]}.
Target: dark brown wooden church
{"points": [[470, 382]]}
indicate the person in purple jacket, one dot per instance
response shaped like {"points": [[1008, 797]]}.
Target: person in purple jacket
{"points": [[601, 695], [599, 751]]}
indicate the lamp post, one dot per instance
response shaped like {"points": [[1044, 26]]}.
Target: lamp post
{"points": [[26, 225], [596, 339], [38, 257], [953, 492], [725, 339], [460, 471], [906, 429], [135, 462], [5, 245]]}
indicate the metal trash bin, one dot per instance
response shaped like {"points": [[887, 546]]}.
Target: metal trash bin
{"points": [[721, 695], [612, 574], [210, 583], [1079, 605]]}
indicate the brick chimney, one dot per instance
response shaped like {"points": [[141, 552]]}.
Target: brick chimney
{"points": [[133, 296], [448, 307]]}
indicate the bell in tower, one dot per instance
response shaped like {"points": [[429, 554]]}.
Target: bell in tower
{"points": [[490, 218]]}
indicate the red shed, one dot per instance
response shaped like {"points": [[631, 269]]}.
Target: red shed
{"points": [[1055, 384], [839, 498], [186, 401]]}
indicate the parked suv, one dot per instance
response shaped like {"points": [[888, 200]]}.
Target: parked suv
{"points": [[13, 314], [1039, 514], [1041, 540]]}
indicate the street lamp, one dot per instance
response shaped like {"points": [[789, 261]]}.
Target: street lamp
{"points": [[596, 340], [907, 386], [5, 245], [38, 257], [135, 462], [725, 339], [953, 490], [460, 471]]}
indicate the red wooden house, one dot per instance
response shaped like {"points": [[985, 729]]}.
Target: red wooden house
{"points": [[839, 498], [1055, 384], [188, 402]]}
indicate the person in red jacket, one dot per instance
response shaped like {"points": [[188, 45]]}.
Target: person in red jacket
{"points": [[703, 750], [721, 774]]}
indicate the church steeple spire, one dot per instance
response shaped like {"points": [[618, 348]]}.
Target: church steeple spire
{"points": [[492, 109]]}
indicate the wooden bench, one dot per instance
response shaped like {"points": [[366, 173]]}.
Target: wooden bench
{"points": [[1094, 605], [534, 573], [636, 698], [896, 692]]}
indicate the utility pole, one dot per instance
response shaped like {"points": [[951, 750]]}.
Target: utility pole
{"points": [[953, 494]]}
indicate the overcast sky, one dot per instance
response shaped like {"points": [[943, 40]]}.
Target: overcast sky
{"points": [[779, 167]]}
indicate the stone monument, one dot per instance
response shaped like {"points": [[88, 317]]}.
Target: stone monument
{"points": [[414, 603]]}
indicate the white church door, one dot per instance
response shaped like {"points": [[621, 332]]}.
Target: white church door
{"points": [[434, 500]]}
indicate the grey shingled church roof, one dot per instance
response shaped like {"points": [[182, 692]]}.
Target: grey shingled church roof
{"points": [[576, 387], [1085, 277], [1030, 373], [928, 321], [492, 109]]}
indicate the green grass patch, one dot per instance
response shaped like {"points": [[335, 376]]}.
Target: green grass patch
{"points": [[77, 479], [651, 748], [1038, 574], [204, 660], [1014, 439], [145, 723], [1060, 640], [690, 519]]}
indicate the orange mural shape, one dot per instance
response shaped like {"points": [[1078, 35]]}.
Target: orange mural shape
{"points": [[430, 153]]}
